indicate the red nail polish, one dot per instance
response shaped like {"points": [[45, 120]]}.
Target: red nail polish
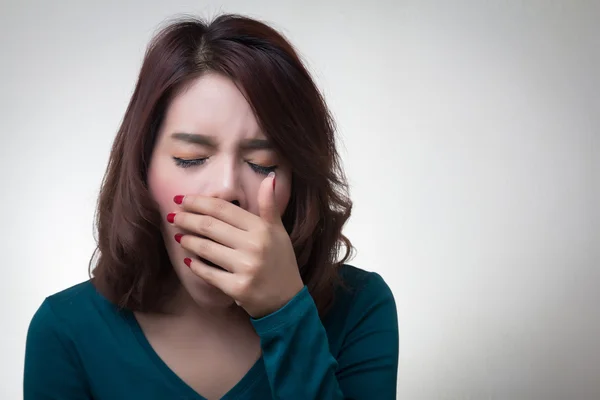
{"points": [[178, 237], [187, 261], [178, 199], [171, 217]]}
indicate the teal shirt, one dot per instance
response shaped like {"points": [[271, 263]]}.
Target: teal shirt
{"points": [[81, 346]]}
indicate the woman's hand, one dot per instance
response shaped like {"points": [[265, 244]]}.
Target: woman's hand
{"points": [[260, 269]]}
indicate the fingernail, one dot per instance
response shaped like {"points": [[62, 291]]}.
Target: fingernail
{"points": [[187, 261], [178, 237], [178, 199], [272, 175], [171, 217]]}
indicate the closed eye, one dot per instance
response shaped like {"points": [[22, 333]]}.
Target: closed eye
{"points": [[188, 163], [259, 169], [183, 163]]}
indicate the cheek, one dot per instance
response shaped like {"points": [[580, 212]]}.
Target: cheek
{"points": [[163, 193], [163, 188]]}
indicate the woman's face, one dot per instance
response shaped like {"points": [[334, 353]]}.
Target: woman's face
{"points": [[211, 144]]}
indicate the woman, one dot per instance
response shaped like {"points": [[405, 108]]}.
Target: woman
{"points": [[219, 229]]}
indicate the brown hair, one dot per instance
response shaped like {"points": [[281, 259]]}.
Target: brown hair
{"points": [[133, 269]]}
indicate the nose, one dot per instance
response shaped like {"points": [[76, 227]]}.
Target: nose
{"points": [[224, 182]]}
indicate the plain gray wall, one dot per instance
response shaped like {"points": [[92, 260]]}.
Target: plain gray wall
{"points": [[471, 139]]}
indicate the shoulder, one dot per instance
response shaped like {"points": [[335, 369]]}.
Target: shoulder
{"points": [[358, 294], [359, 284], [364, 307], [70, 310], [66, 298], [76, 299]]}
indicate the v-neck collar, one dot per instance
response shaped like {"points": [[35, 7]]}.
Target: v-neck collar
{"points": [[243, 385]]}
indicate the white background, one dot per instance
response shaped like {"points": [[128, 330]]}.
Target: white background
{"points": [[471, 138]]}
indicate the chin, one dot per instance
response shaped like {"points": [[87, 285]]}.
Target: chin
{"points": [[203, 293]]}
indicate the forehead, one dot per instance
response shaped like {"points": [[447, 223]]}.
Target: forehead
{"points": [[212, 105]]}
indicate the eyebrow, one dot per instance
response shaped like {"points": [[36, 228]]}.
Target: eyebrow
{"points": [[209, 141], [256, 144], [195, 138]]}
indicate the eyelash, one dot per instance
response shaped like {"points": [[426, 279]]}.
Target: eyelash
{"points": [[189, 163], [259, 169]]}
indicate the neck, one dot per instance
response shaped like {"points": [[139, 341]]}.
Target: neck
{"points": [[183, 306]]}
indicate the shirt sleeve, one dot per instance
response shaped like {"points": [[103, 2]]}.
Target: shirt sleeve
{"points": [[296, 350], [52, 368]]}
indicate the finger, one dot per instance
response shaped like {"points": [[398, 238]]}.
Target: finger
{"points": [[210, 227], [220, 209], [222, 280], [212, 251], [267, 206]]}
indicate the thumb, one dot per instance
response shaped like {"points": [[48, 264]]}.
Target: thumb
{"points": [[267, 206]]}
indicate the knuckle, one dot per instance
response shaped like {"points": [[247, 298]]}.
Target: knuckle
{"points": [[206, 273], [242, 285], [205, 224], [255, 245], [263, 230], [251, 264], [260, 240], [219, 209], [189, 202], [194, 202], [203, 247], [263, 247]]}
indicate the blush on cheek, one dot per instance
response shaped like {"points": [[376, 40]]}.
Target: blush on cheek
{"points": [[163, 194], [163, 189]]}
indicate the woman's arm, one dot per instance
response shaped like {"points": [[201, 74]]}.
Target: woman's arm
{"points": [[52, 369], [297, 356]]}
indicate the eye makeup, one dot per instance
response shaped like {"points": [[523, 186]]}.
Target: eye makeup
{"points": [[188, 163], [259, 169]]}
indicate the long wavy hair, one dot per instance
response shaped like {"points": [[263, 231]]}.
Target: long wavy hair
{"points": [[132, 268]]}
